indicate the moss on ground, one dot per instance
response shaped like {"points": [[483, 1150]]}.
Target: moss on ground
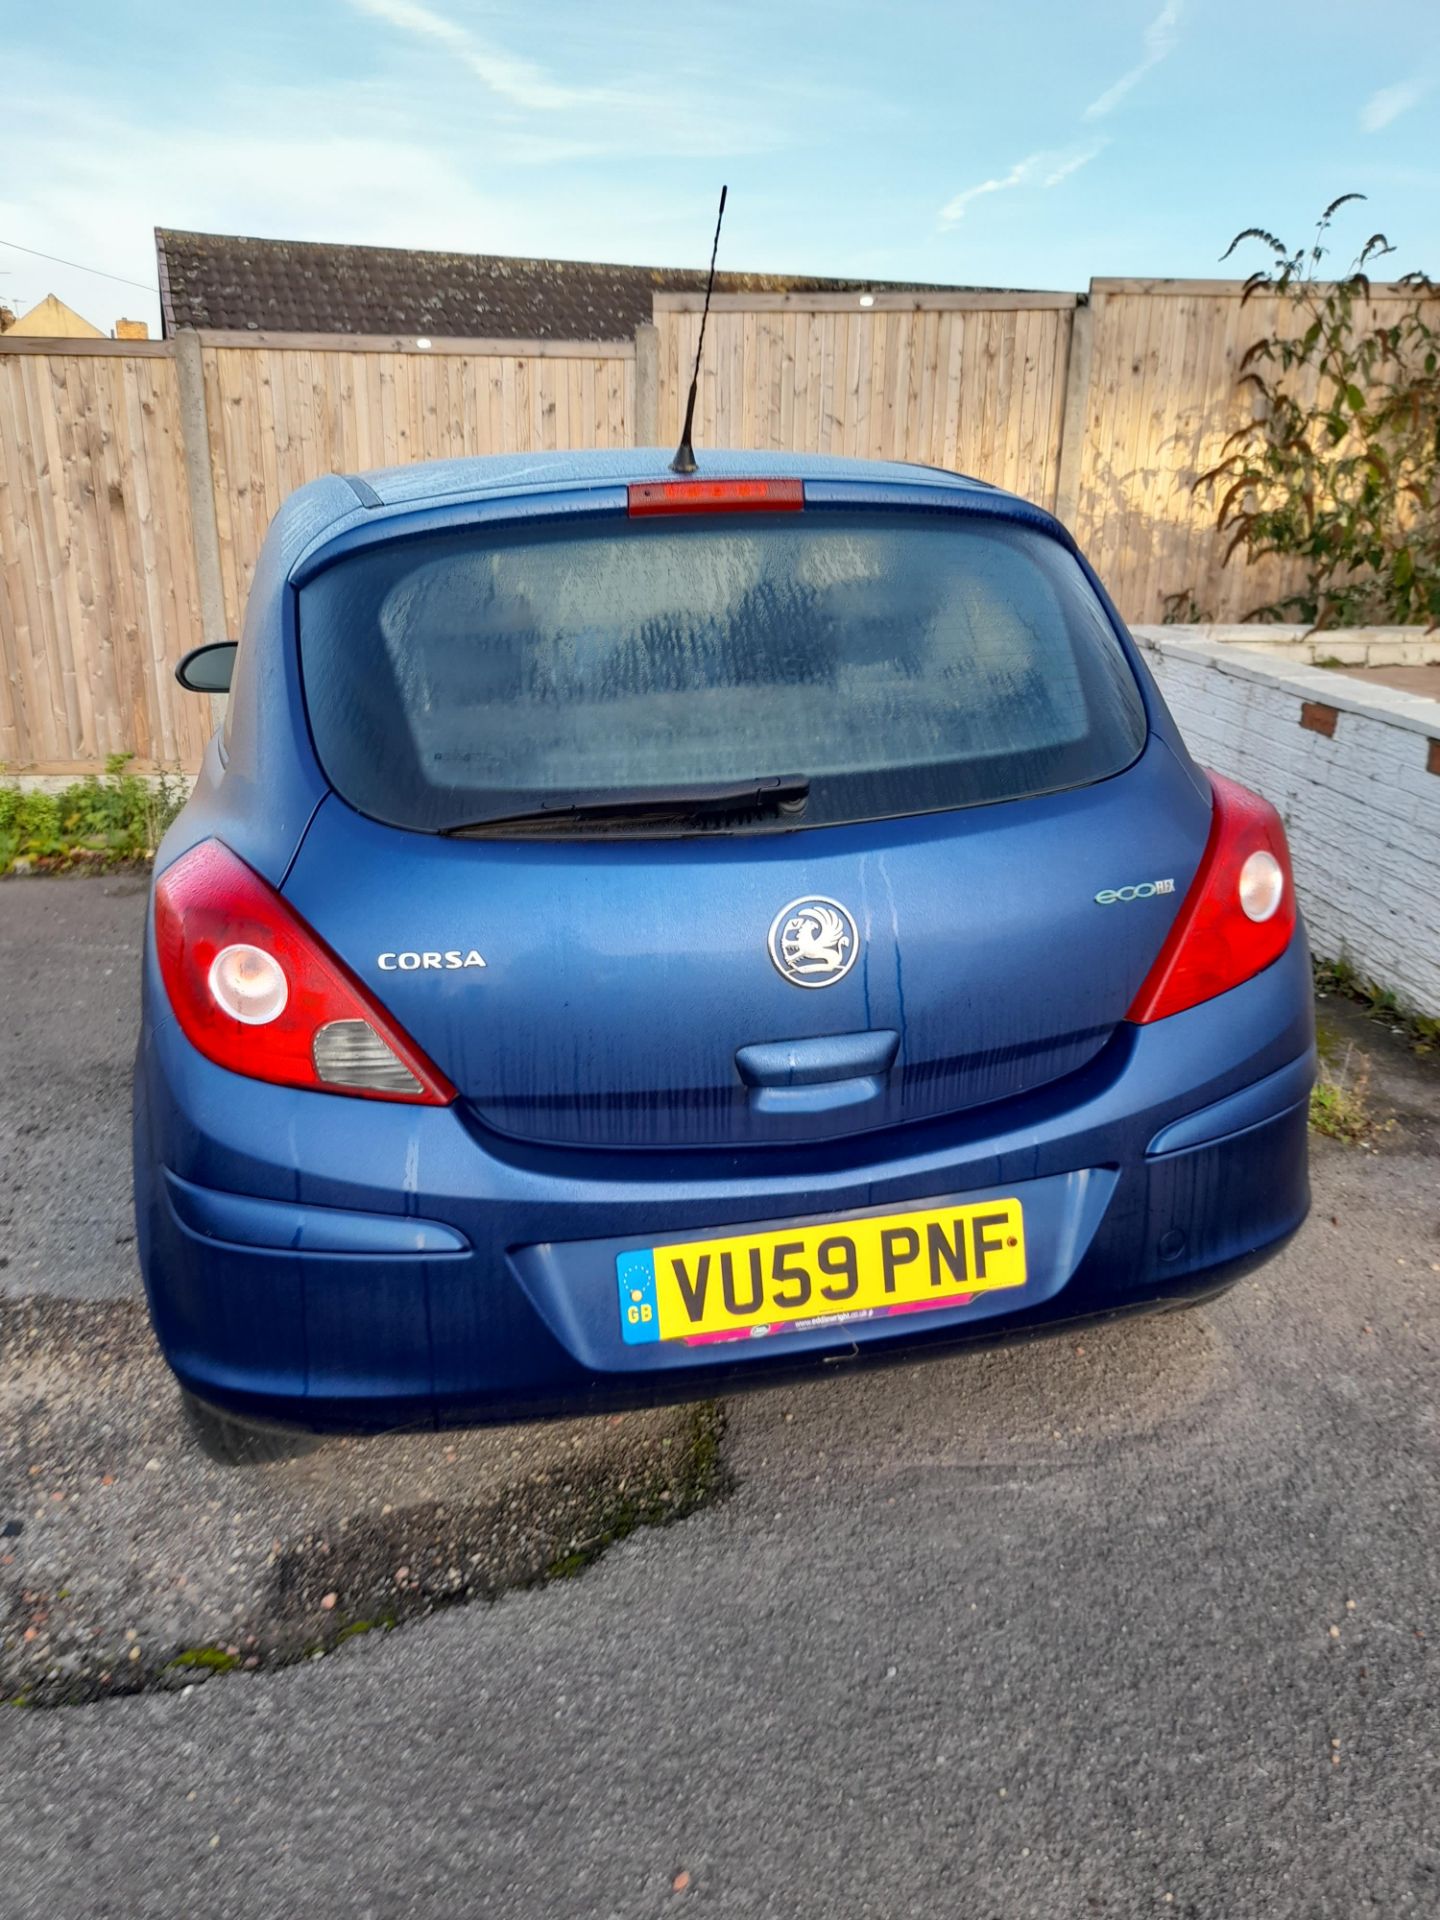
{"points": [[206, 1660], [1340, 976]]}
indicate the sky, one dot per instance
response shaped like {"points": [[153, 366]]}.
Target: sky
{"points": [[1031, 144]]}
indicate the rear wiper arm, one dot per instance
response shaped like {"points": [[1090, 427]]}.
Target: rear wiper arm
{"points": [[789, 791]]}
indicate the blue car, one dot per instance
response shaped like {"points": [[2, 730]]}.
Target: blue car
{"points": [[640, 937]]}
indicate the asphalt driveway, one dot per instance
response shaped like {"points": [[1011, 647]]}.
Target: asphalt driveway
{"points": [[1139, 1622]]}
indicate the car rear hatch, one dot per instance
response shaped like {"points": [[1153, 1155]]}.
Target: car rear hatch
{"points": [[984, 857]]}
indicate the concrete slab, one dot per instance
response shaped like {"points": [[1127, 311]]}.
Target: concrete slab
{"points": [[1422, 680]]}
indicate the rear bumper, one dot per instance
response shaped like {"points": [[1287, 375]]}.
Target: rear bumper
{"points": [[341, 1265]]}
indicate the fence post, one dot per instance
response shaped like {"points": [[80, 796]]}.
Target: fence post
{"points": [[1075, 419], [647, 384], [200, 485]]}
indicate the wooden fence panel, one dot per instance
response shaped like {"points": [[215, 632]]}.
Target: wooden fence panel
{"points": [[98, 595], [1162, 399], [286, 411], [975, 383], [98, 584]]}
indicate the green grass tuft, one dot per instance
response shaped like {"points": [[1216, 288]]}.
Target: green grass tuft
{"points": [[1339, 1100]]}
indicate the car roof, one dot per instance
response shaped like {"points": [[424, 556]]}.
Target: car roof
{"points": [[321, 517], [417, 484]]}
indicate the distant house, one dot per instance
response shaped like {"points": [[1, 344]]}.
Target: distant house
{"points": [[51, 319], [225, 282]]}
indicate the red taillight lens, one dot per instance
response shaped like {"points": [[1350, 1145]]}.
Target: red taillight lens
{"points": [[256, 991], [1238, 915], [716, 496]]}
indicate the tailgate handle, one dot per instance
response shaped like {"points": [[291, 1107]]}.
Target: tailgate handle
{"points": [[823, 1062]]}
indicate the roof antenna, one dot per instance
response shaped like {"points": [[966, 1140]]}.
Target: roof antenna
{"points": [[684, 461]]}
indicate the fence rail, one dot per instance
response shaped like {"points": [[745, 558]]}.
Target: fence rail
{"points": [[137, 478]]}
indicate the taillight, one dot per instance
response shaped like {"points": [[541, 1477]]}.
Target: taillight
{"points": [[255, 990], [716, 496], [1238, 915]]}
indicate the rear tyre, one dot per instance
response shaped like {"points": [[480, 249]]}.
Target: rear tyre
{"points": [[236, 1443]]}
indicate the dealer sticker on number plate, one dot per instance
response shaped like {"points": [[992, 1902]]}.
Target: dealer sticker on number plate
{"points": [[751, 1284]]}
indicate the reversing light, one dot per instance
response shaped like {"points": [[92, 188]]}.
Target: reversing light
{"points": [[351, 1054], [716, 496], [249, 983], [1262, 885]]}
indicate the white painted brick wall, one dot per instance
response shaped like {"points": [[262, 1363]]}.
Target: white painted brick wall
{"points": [[1362, 809]]}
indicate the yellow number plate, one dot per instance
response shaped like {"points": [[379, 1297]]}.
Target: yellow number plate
{"points": [[758, 1283]]}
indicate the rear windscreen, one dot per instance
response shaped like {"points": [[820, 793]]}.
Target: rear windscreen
{"points": [[898, 663]]}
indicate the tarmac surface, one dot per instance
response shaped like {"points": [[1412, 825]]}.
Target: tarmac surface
{"points": [[1129, 1622]]}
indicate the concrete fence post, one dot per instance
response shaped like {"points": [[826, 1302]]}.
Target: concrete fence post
{"points": [[647, 385], [200, 486], [1075, 420]]}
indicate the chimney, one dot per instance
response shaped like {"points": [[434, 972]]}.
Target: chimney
{"points": [[132, 330]]}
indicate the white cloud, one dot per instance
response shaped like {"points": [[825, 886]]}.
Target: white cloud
{"points": [[91, 175], [1044, 169], [548, 121], [1390, 102], [519, 81], [1159, 41], [97, 201]]}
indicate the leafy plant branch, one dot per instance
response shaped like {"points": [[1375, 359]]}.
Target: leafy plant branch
{"points": [[1340, 467]]}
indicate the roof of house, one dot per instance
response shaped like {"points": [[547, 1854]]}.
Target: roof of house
{"points": [[228, 282], [52, 319]]}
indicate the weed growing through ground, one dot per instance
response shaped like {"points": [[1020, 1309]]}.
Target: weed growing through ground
{"points": [[1339, 1100]]}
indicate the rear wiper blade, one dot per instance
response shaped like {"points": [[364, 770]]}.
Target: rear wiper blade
{"points": [[788, 791]]}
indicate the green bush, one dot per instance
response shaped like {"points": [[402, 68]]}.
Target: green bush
{"points": [[105, 818], [1340, 469]]}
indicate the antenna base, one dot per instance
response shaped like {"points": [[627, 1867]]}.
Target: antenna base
{"points": [[684, 461]]}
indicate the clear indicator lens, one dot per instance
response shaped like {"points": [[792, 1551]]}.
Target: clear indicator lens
{"points": [[349, 1053], [1262, 886], [249, 984]]}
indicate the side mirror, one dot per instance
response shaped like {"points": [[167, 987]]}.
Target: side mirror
{"points": [[208, 669]]}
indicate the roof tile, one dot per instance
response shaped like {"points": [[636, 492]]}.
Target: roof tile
{"points": [[234, 283]]}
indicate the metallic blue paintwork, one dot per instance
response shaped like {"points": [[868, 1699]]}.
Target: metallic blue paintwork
{"points": [[817, 1063], [289, 1227], [502, 1332], [622, 977], [1252, 1106], [600, 1050]]}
